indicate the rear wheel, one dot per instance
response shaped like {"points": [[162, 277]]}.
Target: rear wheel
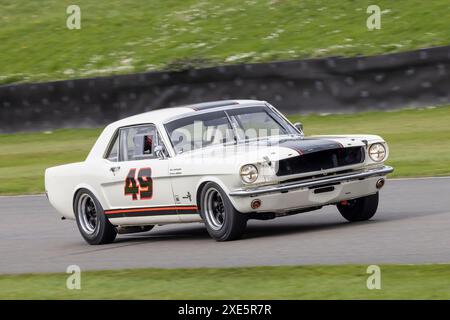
{"points": [[360, 209], [91, 220], [222, 220]]}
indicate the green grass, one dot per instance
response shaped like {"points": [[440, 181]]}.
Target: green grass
{"points": [[124, 36], [24, 157], [419, 141], [296, 282]]}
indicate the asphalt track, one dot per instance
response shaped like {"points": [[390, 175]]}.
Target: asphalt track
{"points": [[411, 226]]}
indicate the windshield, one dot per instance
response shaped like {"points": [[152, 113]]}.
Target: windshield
{"points": [[229, 126]]}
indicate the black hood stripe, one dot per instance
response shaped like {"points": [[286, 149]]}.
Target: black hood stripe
{"points": [[309, 145]]}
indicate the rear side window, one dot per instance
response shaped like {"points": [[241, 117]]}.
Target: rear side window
{"points": [[113, 151], [138, 143]]}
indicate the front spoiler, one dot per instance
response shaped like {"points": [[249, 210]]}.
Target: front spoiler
{"points": [[380, 171]]}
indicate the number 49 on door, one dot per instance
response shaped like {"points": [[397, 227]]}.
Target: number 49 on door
{"points": [[140, 185]]}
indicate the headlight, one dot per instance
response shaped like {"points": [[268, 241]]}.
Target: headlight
{"points": [[377, 152], [249, 173]]}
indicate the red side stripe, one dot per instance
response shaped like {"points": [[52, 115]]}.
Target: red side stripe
{"points": [[151, 209]]}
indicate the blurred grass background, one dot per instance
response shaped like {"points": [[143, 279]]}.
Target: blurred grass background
{"points": [[419, 141], [287, 282], [125, 36]]}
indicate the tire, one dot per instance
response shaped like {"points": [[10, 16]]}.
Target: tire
{"points": [[360, 209], [92, 223], [223, 222]]}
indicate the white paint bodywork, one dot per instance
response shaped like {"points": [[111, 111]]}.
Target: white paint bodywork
{"points": [[182, 174]]}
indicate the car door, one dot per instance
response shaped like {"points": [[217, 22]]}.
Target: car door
{"points": [[138, 182]]}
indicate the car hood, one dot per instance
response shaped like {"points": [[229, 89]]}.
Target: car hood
{"points": [[275, 148]]}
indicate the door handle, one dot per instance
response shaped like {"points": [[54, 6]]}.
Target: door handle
{"points": [[114, 169]]}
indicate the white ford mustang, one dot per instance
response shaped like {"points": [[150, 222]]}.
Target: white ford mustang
{"points": [[220, 163]]}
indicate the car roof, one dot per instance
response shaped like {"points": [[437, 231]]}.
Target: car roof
{"points": [[165, 114], [161, 116]]}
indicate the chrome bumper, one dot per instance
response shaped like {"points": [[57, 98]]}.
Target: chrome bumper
{"points": [[381, 171]]}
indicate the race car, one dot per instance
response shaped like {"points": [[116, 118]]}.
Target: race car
{"points": [[220, 163]]}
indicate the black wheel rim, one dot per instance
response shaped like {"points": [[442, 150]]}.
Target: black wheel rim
{"points": [[214, 209], [87, 212]]}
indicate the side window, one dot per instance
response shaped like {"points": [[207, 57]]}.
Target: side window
{"points": [[138, 143], [113, 152]]}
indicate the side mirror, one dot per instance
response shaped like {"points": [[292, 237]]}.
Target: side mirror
{"points": [[159, 152], [299, 127]]}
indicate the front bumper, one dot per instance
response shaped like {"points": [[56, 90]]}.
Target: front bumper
{"points": [[312, 183], [301, 194]]}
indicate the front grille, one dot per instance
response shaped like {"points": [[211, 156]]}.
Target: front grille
{"points": [[321, 160]]}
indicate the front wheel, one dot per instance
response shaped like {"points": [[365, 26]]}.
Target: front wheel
{"points": [[92, 222], [360, 209], [222, 220]]}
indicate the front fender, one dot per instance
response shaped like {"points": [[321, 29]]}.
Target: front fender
{"points": [[224, 185]]}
